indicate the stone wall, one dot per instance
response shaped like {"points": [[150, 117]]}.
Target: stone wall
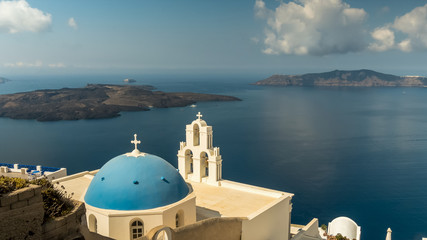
{"points": [[21, 217], [66, 226], [21, 214]]}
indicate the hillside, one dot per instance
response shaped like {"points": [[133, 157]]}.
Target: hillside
{"points": [[338, 78], [94, 101]]}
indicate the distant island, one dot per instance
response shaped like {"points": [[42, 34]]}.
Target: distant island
{"points": [[3, 80], [95, 101], [129, 80], [338, 78]]}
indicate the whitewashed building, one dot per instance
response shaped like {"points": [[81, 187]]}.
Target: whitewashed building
{"points": [[31, 171], [137, 193]]}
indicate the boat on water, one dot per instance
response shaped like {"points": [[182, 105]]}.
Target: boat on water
{"points": [[129, 80]]}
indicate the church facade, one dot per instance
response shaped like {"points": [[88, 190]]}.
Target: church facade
{"points": [[137, 195]]}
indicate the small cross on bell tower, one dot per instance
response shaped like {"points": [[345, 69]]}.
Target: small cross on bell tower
{"points": [[199, 115]]}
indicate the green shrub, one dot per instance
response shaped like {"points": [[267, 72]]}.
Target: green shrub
{"points": [[324, 227], [9, 184], [340, 237], [56, 202]]}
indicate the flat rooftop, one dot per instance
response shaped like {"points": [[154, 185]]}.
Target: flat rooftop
{"points": [[232, 199], [77, 184]]}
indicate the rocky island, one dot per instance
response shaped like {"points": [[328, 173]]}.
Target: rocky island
{"points": [[95, 101], [338, 78]]}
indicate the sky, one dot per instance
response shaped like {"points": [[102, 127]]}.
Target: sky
{"points": [[40, 37]]}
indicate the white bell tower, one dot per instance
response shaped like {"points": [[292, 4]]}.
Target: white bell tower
{"points": [[198, 160]]}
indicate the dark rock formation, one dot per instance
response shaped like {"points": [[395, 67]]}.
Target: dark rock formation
{"points": [[337, 78], [94, 101]]}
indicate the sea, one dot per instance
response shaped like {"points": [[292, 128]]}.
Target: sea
{"points": [[355, 152]]}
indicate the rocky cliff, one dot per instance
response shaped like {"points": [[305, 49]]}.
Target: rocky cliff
{"points": [[337, 78]]}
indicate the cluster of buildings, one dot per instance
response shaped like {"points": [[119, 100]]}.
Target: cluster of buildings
{"points": [[31, 171], [138, 195]]}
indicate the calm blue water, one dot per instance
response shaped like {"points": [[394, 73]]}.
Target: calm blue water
{"points": [[360, 153]]}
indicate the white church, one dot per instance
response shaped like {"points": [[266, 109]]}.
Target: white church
{"points": [[138, 195]]}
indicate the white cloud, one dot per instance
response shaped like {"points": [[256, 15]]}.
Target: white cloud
{"points": [[72, 23], [384, 10], [36, 64], [314, 27], [260, 10], [384, 39], [414, 26], [255, 40], [56, 65], [24, 64], [405, 45], [322, 27], [19, 16]]}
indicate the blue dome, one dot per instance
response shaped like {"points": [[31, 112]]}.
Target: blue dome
{"points": [[136, 183]]}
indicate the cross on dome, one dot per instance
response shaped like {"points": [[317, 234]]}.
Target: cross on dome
{"points": [[199, 115], [135, 152], [136, 142]]}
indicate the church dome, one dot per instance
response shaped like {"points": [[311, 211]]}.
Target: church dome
{"points": [[136, 181]]}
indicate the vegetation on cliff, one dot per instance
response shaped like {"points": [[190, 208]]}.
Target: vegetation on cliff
{"points": [[8, 184], [56, 201]]}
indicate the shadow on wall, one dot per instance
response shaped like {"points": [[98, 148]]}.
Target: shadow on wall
{"points": [[209, 229], [205, 213]]}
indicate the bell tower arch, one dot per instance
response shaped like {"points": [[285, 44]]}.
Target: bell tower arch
{"points": [[205, 163]]}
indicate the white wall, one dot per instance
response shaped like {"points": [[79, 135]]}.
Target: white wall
{"points": [[120, 225], [272, 222], [116, 224], [102, 222], [189, 209], [345, 226], [55, 175]]}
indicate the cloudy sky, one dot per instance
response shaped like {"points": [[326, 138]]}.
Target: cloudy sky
{"points": [[239, 36]]}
